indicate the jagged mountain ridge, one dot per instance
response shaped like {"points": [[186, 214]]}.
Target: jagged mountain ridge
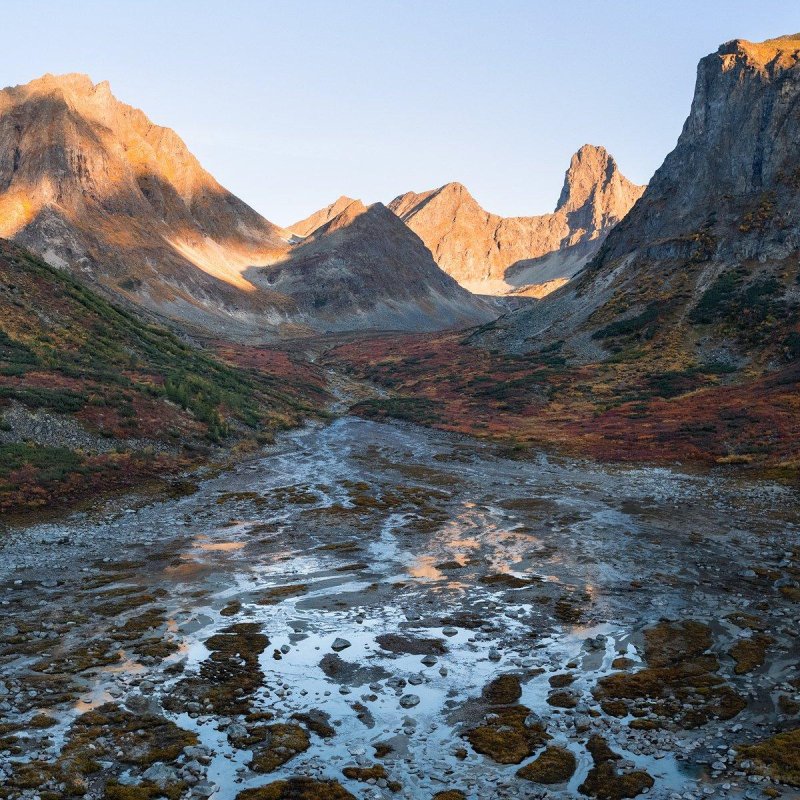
{"points": [[493, 254], [92, 184], [707, 260]]}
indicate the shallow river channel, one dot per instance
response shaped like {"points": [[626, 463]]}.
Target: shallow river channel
{"points": [[403, 612]]}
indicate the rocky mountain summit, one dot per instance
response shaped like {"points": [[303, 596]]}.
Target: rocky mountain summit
{"points": [[305, 227], [91, 184], [352, 253], [707, 260], [531, 255]]}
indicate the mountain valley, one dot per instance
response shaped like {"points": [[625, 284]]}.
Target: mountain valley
{"points": [[405, 500]]}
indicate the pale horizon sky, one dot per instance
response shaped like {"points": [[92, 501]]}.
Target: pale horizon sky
{"points": [[291, 104]]}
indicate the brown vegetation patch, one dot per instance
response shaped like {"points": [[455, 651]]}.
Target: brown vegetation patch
{"points": [[410, 645], [297, 789], [229, 677], [278, 744], [277, 594], [503, 690], [505, 737], [604, 781], [554, 765], [749, 654], [562, 699], [680, 684], [777, 758]]}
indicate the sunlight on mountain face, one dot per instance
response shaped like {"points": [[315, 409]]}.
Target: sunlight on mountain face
{"points": [[293, 514]]}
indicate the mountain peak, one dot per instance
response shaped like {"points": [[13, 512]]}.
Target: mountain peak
{"points": [[453, 187], [780, 52], [595, 195], [591, 166], [479, 248], [75, 87], [73, 81], [305, 227]]}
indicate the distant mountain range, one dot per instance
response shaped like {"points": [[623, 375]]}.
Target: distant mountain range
{"points": [[92, 185]]}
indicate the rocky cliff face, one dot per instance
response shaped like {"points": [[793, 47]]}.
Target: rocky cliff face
{"points": [[92, 184], [498, 255], [706, 263]]}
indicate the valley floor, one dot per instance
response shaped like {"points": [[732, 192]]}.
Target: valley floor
{"points": [[381, 610], [657, 408]]}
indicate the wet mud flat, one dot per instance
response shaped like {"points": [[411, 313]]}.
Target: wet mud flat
{"points": [[381, 611]]}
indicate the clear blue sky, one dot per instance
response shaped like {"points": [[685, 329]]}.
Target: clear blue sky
{"points": [[290, 104]]}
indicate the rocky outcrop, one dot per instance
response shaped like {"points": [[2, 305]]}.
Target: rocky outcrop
{"points": [[499, 255], [91, 184], [707, 261]]}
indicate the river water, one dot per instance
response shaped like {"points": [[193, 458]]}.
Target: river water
{"points": [[440, 565]]}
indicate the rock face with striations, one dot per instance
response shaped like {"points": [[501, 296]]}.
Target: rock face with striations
{"points": [[498, 255], [91, 184], [709, 256]]}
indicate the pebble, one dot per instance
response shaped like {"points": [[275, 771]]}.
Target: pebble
{"points": [[409, 700]]}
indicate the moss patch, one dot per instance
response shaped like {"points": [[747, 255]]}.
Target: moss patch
{"points": [[503, 690], [277, 594], [562, 699], [229, 677], [554, 765], [777, 758], [280, 743], [604, 781], [749, 654], [298, 789], [680, 683], [505, 737]]}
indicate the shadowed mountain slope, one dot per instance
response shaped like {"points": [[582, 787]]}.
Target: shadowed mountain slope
{"points": [[706, 264], [353, 255]]}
